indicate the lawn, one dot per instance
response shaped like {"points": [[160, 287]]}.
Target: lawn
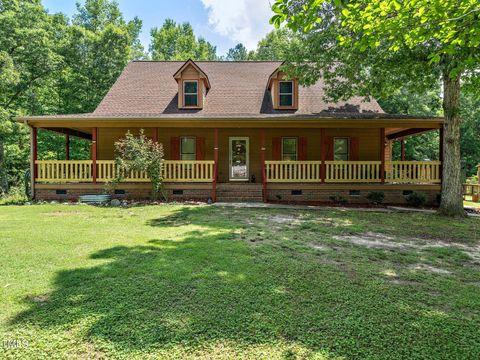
{"points": [[177, 281]]}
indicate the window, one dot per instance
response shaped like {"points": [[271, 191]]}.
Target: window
{"points": [[340, 148], [289, 148], [286, 93], [188, 148], [190, 93]]}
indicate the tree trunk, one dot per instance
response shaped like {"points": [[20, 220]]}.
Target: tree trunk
{"points": [[3, 171], [452, 193]]}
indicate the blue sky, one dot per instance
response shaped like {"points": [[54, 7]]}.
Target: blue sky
{"points": [[224, 23]]}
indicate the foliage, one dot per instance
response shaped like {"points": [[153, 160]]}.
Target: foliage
{"points": [[140, 153], [16, 196], [338, 199], [416, 199], [166, 282], [178, 42], [276, 45], [238, 53], [376, 197], [373, 48]]}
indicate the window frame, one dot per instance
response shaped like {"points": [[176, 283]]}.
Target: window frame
{"points": [[185, 93], [292, 94], [194, 138], [348, 147], [296, 147]]}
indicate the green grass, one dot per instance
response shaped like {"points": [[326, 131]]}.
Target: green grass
{"points": [[208, 282]]}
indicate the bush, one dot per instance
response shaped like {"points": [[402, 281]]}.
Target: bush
{"points": [[416, 199], [338, 199], [376, 197], [16, 196]]}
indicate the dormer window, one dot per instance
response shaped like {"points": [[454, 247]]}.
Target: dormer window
{"points": [[286, 93], [190, 93]]}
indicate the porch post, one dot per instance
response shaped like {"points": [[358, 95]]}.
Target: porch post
{"points": [[322, 155], [155, 134], [262, 159], [382, 155], [402, 143], [94, 155], [67, 145], [34, 155], [440, 152], [34, 151], [215, 165]]}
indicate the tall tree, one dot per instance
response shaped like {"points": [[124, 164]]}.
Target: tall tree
{"points": [[99, 45], [385, 44], [178, 42], [28, 58], [237, 53], [276, 45]]}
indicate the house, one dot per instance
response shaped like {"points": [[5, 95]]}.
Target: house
{"points": [[238, 131]]}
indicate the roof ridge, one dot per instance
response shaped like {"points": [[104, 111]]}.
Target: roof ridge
{"points": [[212, 61]]}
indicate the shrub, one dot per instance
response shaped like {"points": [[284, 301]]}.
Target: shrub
{"points": [[376, 197], [139, 153], [416, 199], [16, 196], [338, 199]]}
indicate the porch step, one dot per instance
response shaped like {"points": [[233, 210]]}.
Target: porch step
{"points": [[239, 192]]}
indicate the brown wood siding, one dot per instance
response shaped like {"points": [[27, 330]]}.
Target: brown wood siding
{"points": [[368, 143]]}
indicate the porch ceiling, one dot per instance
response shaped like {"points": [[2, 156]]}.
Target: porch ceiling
{"points": [[397, 133]]}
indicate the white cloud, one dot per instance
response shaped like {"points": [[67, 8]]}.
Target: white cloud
{"points": [[244, 21]]}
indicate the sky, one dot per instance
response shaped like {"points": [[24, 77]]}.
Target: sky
{"points": [[224, 23]]}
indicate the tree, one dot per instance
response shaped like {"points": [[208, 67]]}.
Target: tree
{"points": [[276, 45], [140, 153], [178, 42], [28, 59], [378, 46], [239, 52]]}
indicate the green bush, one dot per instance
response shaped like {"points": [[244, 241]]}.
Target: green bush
{"points": [[376, 197], [416, 199], [338, 199], [16, 196]]}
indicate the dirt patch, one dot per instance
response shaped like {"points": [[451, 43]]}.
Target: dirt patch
{"points": [[38, 299], [429, 268], [373, 240]]}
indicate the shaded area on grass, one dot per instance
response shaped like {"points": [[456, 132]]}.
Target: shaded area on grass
{"points": [[212, 289]]}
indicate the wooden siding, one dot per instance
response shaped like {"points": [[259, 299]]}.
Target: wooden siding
{"points": [[368, 143]]}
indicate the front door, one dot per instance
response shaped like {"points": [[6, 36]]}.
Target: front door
{"points": [[239, 158]]}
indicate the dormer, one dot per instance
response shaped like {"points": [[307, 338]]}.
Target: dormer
{"points": [[193, 85], [284, 91]]}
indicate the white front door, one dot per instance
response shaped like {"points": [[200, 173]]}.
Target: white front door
{"points": [[239, 158]]}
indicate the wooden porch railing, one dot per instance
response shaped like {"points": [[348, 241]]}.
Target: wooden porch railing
{"points": [[76, 171], [352, 171], [425, 172], [57, 171], [413, 172], [293, 171], [472, 190]]}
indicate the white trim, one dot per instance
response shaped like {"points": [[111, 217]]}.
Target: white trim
{"points": [[247, 157]]}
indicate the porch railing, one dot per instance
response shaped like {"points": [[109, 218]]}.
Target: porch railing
{"points": [[352, 171], [413, 171], [293, 171], [77, 171]]}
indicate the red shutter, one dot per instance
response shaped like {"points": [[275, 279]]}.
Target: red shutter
{"points": [[276, 149], [175, 148], [302, 148], [329, 148], [354, 149], [200, 148]]}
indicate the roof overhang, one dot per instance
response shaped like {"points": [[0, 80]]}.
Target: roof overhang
{"points": [[269, 120], [202, 74]]}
